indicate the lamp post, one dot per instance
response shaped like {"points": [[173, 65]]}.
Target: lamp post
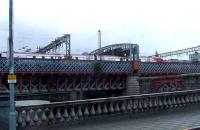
{"points": [[11, 76], [99, 43]]}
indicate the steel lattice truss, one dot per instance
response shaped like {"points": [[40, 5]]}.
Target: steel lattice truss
{"points": [[179, 52], [123, 49], [117, 67], [57, 43], [168, 68], [63, 66], [28, 84]]}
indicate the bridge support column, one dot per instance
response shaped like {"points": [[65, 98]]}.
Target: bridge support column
{"points": [[132, 86]]}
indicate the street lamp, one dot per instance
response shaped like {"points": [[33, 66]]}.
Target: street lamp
{"points": [[99, 43], [11, 76]]}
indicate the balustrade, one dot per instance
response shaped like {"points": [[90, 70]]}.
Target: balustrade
{"points": [[86, 109]]}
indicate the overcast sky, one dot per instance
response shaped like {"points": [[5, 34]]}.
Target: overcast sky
{"points": [[164, 25]]}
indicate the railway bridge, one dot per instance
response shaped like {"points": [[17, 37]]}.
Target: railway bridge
{"points": [[86, 89], [76, 79]]}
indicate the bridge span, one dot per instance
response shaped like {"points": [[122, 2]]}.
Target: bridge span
{"points": [[93, 89]]}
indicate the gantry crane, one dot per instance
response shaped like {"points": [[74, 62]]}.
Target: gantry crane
{"points": [[57, 43], [178, 52]]}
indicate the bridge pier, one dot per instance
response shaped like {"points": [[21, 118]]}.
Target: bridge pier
{"points": [[132, 85]]}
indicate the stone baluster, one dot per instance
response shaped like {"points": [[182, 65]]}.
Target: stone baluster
{"points": [[20, 119], [140, 103], [117, 107], [191, 98], [169, 102], [44, 116], [86, 111], [155, 103], [17, 114], [174, 101], [178, 101], [150, 103], [39, 114], [195, 98], [28, 117], [66, 114], [23, 114], [92, 111], [123, 106], [135, 105], [31, 112], [105, 110], [99, 110], [160, 104], [51, 116], [145, 103], [72, 113], [165, 102], [129, 105], [80, 113], [187, 99], [183, 100], [111, 109], [59, 115]]}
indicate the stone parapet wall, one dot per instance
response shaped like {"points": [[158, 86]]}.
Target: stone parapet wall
{"points": [[64, 112]]}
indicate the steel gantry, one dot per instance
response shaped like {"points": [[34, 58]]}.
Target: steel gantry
{"points": [[179, 52], [54, 45]]}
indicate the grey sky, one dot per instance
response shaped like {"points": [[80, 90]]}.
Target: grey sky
{"points": [[154, 24]]}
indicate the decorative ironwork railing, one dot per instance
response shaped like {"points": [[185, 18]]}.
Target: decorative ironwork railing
{"points": [[41, 65], [65, 66], [94, 108], [168, 67]]}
